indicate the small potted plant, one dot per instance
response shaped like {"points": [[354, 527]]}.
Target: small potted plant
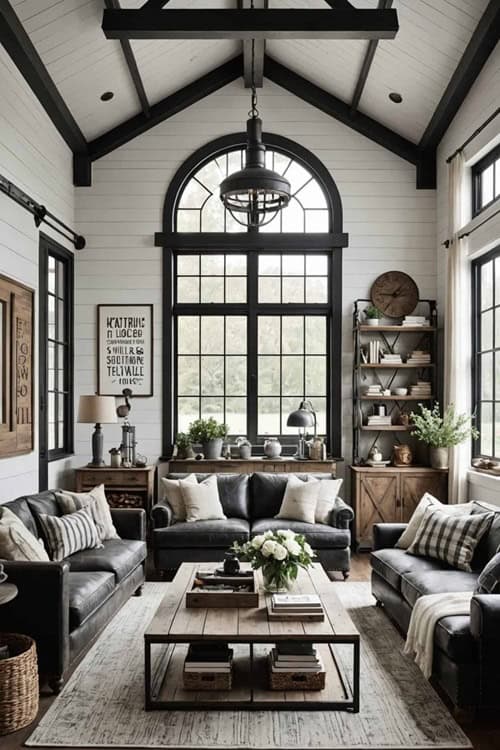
{"points": [[442, 432], [279, 554], [372, 315], [210, 434], [184, 447]]}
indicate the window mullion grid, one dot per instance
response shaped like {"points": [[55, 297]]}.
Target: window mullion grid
{"points": [[252, 345]]}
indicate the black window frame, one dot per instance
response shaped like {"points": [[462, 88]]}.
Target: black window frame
{"points": [[50, 248], [477, 171], [477, 265]]}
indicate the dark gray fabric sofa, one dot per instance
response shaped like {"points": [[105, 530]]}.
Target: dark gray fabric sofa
{"points": [[466, 647], [65, 605], [250, 502]]}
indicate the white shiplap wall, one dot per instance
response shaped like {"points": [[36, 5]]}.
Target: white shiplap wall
{"points": [[391, 226], [35, 157], [480, 103]]}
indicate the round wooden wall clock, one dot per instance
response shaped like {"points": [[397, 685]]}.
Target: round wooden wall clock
{"points": [[395, 294]]}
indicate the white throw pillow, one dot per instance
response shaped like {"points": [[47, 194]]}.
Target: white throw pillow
{"points": [[408, 536], [97, 506], [173, 495], [328, 491], [202, 500], [300, 500], [17, 543]]}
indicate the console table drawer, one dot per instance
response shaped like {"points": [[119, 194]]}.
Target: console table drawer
{"points": [[114, 478], [125, 488]]}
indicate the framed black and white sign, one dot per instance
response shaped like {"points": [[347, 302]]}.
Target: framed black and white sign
{"points": [[125, 349]]}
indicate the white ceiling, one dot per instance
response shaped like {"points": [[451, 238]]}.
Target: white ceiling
{"points": [[418, 63]]}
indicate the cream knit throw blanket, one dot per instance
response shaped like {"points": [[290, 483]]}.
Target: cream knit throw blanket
{"points": [[426, 612]]}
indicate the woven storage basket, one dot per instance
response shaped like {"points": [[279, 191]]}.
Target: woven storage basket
{"points": [[18, 683], [296, 680], [208, 680]]}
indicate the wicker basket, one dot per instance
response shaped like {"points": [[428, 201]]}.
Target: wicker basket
{"points": [[296, 680], [18, 683], [208, 680]]}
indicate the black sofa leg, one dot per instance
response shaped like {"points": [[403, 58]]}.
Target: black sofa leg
{"points": [[345, 573], [138, 591], [55, 684]]}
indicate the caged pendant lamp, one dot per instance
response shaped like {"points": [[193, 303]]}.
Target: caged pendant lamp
{"points": [[255, 195]]}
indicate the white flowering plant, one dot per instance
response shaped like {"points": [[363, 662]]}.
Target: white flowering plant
{"points": [[279, 554]]}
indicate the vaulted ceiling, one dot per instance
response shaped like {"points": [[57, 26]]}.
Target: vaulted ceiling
{"points": [[418, 64]]}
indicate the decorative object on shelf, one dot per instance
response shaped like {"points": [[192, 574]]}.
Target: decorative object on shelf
{"points": [[125, 349], [372, 315], [442, 432], [116, 458], [317, 449], [402, 455], [255, 195], [375, 455], [404, 419], [141, 461], [16, 368], [244, 447], [183, 445], [210, 434], [272, 447], [278, 554], [395, 294], [400, 391], [303, 417], [97, 410]]}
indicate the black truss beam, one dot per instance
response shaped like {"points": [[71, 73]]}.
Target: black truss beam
{"points": [[166, 108], [24, 55], [248, 240], [131, 64], [476, 53], [367, 62], [259, 50], [146, 23]]}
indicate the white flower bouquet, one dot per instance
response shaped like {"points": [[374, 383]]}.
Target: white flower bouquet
{"points": [[280, 554]]}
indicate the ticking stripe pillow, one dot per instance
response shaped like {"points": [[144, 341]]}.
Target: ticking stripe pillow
{"points": [[66, 535], [451, 539]]}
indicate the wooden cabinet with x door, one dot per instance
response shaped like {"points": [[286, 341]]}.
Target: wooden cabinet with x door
{"points": [[390, 495]]}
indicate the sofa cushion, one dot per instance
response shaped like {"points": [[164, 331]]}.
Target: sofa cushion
{"points": [[212, 534], [490, 542], [318, 535], [437, 581], [22, 510], [267, 491], [118, 556], [392, 563], [233, 492], [87, 591], [489, 578], [44, 502], [452, 635]]}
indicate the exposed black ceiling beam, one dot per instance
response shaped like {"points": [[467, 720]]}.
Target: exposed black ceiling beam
{"points": [[24, 55], [166, 108], [256, 54], [146, 23], [367, 62], [245, 240], [476, 53], [339, 4], [157, 4], [131, 64]]}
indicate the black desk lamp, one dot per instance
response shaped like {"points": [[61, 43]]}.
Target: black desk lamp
{"points": [[303, 417]]}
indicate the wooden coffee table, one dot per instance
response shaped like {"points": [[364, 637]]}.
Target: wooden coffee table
{"points": [[250, 634]]}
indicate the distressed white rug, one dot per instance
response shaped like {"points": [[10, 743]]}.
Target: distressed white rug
{"points": [[102, 704]]}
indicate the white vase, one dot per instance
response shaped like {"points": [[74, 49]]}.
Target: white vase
{"points": [[439, 457], [372, 321]]}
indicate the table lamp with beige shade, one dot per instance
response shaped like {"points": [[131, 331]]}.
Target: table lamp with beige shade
{"points": [[97, 410]]}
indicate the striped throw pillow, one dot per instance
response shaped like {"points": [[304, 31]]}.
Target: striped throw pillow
{"points": [[66, 535], [451, 539]]}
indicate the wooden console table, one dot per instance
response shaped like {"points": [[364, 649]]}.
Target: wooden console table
{"points": [[125, 488], [286, 465]]}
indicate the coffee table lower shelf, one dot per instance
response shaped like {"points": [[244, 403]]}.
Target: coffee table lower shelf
{"points": [[164, 682]]}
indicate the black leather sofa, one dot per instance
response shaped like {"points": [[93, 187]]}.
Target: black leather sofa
{"points": [[250, 502], [466, 647], [65, 605]]}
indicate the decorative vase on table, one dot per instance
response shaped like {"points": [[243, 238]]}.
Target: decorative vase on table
{"points": [[275, 580], [212, 449], [439, 457], [272, 447]]}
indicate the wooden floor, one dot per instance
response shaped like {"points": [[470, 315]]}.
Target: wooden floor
{"points": [[484, 732]]}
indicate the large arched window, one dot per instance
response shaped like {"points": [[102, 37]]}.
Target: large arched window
{"points": [[252, 320]]}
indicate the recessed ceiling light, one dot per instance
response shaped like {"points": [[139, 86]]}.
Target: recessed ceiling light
{"points": [[395, 97], [107, 96]]}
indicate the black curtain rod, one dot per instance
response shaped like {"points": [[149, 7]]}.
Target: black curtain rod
{"points": [[447, 243], [40, 213], [474, 134]]}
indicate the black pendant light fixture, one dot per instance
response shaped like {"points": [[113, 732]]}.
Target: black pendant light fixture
{"points": [[255, 195]]}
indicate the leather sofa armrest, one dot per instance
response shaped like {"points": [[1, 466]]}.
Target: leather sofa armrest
{"points": [[485, 616], [385, 535], [162, 515], [342, 514], [130, 523]]}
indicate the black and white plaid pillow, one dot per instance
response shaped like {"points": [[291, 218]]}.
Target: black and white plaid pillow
{"points": [[489, 578], [69, 534], [451, 539]]}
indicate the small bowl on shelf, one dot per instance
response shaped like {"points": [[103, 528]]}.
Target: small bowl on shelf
{"points": [[400, 391]]}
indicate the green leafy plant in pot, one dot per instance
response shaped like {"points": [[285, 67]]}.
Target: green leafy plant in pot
{"points": [[184, 447], [441, 433], [210, 434], [372, 315]]}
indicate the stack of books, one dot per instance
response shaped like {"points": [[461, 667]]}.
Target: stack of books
{"points": [[373, 390], [378, 420], [295, 657], [391, 359], [419, 357], [295, 606], [374, 352], [423, 389], [209, 658], [413, 321]]}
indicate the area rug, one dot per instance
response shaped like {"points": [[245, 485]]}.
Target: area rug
{"points": [[102, 704]]}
